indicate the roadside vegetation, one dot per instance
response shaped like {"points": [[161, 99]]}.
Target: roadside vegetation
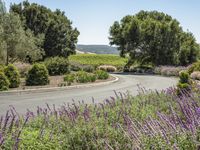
{"points": [[151, 120]]}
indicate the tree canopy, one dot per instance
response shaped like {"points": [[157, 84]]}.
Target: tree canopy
{"points": [[154, 37], [15, 43], [60, 37]]}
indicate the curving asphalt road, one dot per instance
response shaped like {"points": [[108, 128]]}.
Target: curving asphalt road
{"points": [[127, 82]]}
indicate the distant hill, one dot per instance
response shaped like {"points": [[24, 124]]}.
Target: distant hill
{"points": [[98, 49]]}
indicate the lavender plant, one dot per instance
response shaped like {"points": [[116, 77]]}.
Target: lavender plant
{"points": [[151, 120]]}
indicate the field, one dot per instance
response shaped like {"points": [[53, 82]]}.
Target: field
{"points": [[98, 59], [151, 120]]}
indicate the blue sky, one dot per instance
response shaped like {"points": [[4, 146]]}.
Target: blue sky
{"points": [[94, 17]]}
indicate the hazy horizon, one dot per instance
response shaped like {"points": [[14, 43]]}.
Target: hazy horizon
{"points": [[93, 18]]}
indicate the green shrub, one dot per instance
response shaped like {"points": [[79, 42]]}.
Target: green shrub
{"points": [[102, 75], [183, 85], [37, 75], [92, 77], [4, 82], [75, 66], [82, 77], [2, 67], [194, 67], [184, 81], [57, 65], [184, 77], [13, 76], [69, 78], [78, 67], [88, 68]]}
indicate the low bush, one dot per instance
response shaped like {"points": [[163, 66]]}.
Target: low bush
{"points": [[195, 75], [92, 77], [4, 82], [75, 66], [169, 70], [140, 69], [37, 75], [184, 81], [107, 68], [88, 68], [78, 67], [2, 67], [82, 77], [102, 75], [69, 78], [57, 65], [194, 67], [13, 75]]}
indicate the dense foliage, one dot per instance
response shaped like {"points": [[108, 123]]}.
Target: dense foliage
{"points": [[69, 78], [4, 82], [37, 75], [15, 43], [97, 60], [102, 75], [57, 65], [154, 37], [59, 35], [84, 77], [194, 67], [152, 120], [13, 75], [184, 82]]}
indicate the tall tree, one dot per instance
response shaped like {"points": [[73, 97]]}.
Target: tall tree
{"points": [[153, 37], [2, 7], [2, 43], [60, 37], [17, 43]]}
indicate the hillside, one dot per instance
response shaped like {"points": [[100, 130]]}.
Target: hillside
{"points": [[98, 49]]}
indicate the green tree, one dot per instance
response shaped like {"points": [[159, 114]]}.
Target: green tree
{"points": [[2, 43], [153, 37], [2, 7], [60, 37], [17, 44]]}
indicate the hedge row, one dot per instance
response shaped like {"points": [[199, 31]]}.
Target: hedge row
{"points": [[85, 77]]}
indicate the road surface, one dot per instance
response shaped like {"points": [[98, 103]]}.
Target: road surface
{"points": [[126, 82]]}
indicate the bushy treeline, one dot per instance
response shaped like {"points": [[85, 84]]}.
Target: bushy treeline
{"points": [[32, 32], [154, 37]]}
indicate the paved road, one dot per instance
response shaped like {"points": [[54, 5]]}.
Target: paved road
{"points": [[126, 82]]}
